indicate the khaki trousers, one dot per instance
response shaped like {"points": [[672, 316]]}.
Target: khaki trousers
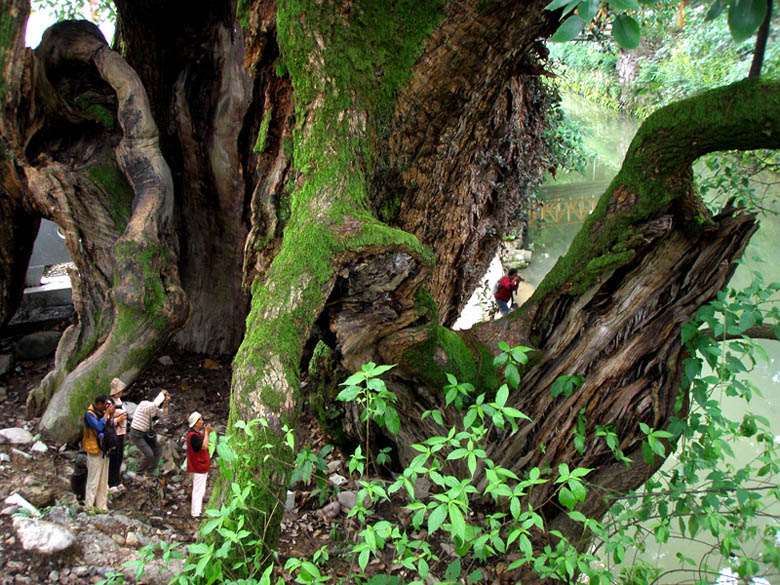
{"points": [[97, 482]]}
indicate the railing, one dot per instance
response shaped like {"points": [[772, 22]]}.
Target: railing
{"points": [[567, 204]]}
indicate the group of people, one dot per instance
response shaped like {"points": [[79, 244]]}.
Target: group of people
{"points": [[105, 428]]}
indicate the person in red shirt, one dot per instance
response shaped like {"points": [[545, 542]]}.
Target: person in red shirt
{"points": [[198, 460], [506, 287]]}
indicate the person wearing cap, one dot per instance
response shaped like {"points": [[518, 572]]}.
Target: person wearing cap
{"points": [[143, 435], [116, 456], [198, 460]]}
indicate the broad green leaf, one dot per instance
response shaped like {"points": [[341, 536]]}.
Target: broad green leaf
{"points": [[578, 490], [436, 518], [355, 378], [375, 384], [624, 4], [569, 29], [745, 16], [453, 571], [348, 394], [577, 516], [587, 9], [392, 420], [556, 4], [457, 521], [566, 498], [502, 394], [379, 370], [512, 376], [713, 13], [625, 30]]}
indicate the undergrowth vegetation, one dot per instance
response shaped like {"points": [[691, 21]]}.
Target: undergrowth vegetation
{"points": [[704, 494]]}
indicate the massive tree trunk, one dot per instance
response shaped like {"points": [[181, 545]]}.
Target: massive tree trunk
{"points": [[353, 167]]}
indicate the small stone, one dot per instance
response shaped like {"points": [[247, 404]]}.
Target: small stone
{"points": [[210, 364], [334, 466], [80, 571], [58, 515], [6, 363], [165, 360], [337, 480], [132, 540], [5, 457], [289, 503], [16, 436], [53, 577], [348, 499], [16, 500], [39, 496], [117, 538], [331, 511], [3, 392], [21, 579], [39, 447]]}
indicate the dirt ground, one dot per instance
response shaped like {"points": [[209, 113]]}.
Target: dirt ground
{"points": [[160, 510], [195, 382]]}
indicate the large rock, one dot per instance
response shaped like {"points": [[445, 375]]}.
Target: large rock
{"points": [[16, 436], [43, 537], [37, 345]]}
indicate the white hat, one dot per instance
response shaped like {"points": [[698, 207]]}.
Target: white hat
{"points": [[194, 418], [117, 386]]}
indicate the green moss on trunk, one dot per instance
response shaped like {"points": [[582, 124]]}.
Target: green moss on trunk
{"points": [[447, 352], [656, 176]]}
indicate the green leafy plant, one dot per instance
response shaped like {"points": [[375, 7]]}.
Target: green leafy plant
{"points": [[373, 398]]}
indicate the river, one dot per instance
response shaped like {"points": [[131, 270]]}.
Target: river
{"points": [[608, 135]]}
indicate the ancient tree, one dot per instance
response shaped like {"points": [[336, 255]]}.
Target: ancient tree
{"points": [[261, 179]]}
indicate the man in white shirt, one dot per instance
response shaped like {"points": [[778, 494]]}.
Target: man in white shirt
{"points": [[143, 436]]}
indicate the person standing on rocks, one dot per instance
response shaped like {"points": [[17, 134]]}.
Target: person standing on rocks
{"points": [[98, 415], [506, 288], [120, 423], [143, 435], [198, 460]]}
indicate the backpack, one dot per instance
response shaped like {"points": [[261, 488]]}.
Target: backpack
{"points": [[107, 440]]}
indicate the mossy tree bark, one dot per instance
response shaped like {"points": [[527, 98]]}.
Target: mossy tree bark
{"points": [[354, 167]]}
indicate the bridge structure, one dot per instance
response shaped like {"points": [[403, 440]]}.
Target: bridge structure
{"points": [[567, 204]]}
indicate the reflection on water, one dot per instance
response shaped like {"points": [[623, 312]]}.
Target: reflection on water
{"points": [[609, 135]]}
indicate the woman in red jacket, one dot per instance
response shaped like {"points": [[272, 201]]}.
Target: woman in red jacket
{"points": [[198, 460]]}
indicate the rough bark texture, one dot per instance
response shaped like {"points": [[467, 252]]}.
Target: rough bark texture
{"points": [[190, 56], [358, 162]]}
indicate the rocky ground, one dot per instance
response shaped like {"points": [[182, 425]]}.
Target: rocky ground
{"points": [[143, 513], [95, 546]]}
